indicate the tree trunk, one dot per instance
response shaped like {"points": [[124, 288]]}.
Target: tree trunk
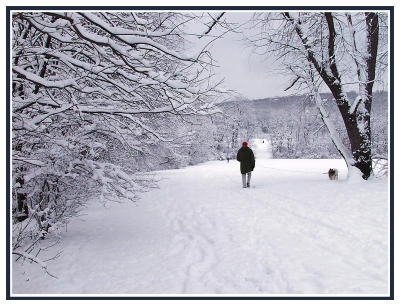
{"points": [[358, 129], [355, 117]]}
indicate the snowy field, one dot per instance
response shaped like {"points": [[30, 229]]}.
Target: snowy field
{"points": [[292, 232]]}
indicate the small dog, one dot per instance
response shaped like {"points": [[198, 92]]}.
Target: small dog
{"points": [[333, 174]]}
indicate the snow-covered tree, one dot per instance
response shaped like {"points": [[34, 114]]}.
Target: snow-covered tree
{"points": [[338, 51], [235, 124], [297, 131], [94, 94]]}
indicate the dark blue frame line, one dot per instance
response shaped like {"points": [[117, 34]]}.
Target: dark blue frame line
{"points": [[8, 102], [392, 152], [200, 298], [203, 8]]}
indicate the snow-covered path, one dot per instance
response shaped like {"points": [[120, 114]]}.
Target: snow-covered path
{"points": [[292, 232]]}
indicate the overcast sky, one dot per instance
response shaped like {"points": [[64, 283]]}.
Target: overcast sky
{"points": [[251, 75]]}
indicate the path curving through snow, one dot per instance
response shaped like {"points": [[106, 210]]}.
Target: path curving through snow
{"points": [[293, 232]]}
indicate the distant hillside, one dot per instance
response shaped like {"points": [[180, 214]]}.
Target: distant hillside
{"points": [[296, 130], [265, 108]]}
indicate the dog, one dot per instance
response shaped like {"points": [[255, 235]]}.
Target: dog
{"points": [[333, 174]]}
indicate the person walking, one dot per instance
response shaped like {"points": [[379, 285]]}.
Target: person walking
{"points": [[247, 163]]}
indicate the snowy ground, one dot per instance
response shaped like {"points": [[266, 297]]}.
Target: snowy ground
{"points": [[292, 232]]}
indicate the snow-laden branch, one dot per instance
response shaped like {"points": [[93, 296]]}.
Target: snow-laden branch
{"points": [[52, 31], [360, 62], [332, 47], [115, 181], [355, 104], [130, 40], [20, 104], [124, 34], [115, 111], [34, 259], [43, 82], [330, 125], [329, 73], [29, 161]]}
